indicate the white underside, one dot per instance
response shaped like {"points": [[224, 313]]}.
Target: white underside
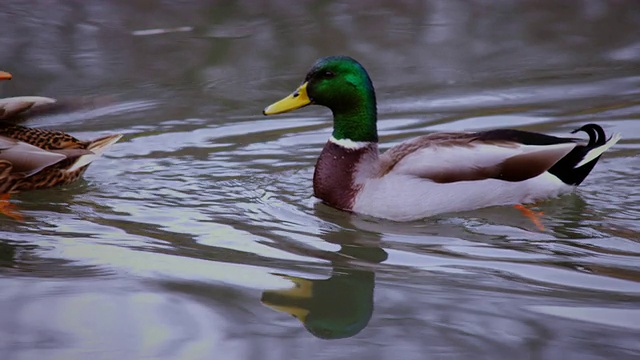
{"points": [[402, 197]]}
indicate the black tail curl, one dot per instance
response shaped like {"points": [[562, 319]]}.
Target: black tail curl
{"points": [[566, 169], [596, 134]]}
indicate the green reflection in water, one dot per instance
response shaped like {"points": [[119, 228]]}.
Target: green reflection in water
{"points": [[7, 253], [333, 308]]}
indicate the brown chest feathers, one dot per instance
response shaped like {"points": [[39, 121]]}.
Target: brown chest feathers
{"points": [[334, 179]]}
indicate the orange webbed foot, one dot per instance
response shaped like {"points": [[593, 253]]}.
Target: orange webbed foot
{"points": [[9, 209], [534, 216]]}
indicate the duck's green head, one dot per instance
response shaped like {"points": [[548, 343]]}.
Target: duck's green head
{"points": [[343, 85]]}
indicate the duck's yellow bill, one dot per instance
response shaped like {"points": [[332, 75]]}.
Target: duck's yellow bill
{"points": [[5, 75], [296, 100]]}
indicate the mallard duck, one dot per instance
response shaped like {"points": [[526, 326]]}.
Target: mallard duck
{"points": [[435, 173], [36, 159]]}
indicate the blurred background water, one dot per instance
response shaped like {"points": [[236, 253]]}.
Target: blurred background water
{"points": [[197, 235]]}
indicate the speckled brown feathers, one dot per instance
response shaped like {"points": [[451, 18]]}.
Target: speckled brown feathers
{"points": [[44, 139], [36, 158], [51, 176], [5, 170]]}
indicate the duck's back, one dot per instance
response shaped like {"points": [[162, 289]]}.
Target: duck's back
{"points": [[44, 139]]}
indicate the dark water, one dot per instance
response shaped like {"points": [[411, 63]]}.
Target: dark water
{"points": [[188, 239]]}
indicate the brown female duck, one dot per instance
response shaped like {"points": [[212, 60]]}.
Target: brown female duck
{"points": [[37, 159]]}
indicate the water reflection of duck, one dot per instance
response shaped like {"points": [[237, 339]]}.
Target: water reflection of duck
{"points": [[435, 173], [7, 254], [35, 158], [333, 308]]}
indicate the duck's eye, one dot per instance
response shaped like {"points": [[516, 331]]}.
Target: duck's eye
{"points": [[328, 74]]}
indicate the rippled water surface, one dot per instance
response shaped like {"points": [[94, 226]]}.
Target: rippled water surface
{"points": [[197, 235]]}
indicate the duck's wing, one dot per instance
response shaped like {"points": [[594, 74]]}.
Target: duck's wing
{"points": [[26, 159], [509, 155]]}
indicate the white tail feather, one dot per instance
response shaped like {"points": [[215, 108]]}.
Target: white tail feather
{"points": [[97, 148], [594, 153]]}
